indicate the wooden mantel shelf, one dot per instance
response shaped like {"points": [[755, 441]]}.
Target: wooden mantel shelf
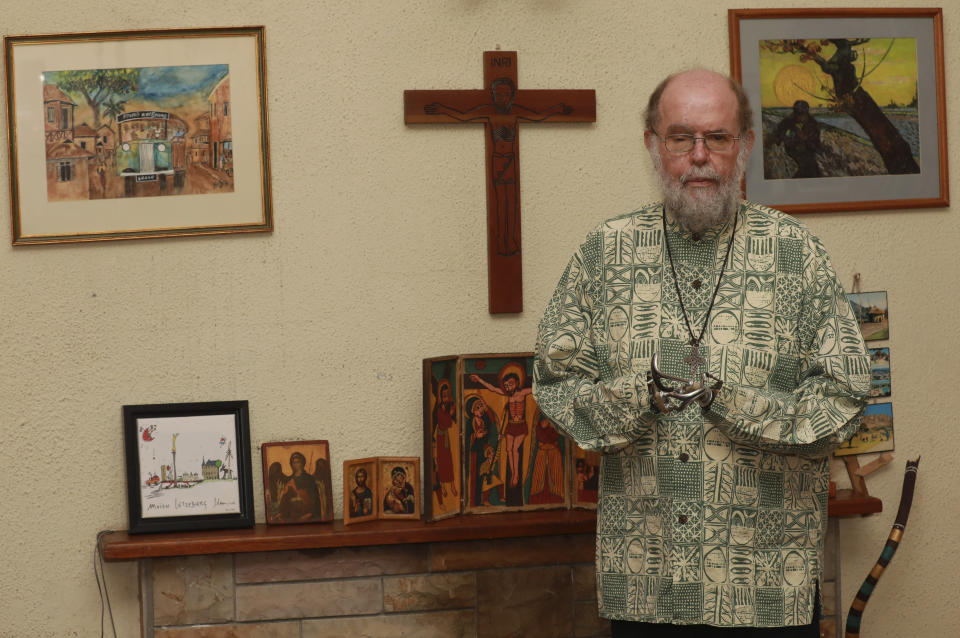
{"points": [[267, 538]]}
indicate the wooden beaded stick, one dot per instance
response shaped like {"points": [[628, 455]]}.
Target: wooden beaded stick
{"points": [[855, 615]]}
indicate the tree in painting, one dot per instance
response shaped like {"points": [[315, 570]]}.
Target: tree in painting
{"points": [[97, 86], [849, 96]]}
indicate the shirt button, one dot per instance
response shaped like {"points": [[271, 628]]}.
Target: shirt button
{"points": [[682, 519], [684, 457], [696, 284]]}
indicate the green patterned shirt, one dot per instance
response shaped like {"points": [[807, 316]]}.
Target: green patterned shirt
{"points": [[714, 517]]}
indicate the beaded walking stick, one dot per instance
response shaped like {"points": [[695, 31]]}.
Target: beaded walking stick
{"points": [[855, 615]]}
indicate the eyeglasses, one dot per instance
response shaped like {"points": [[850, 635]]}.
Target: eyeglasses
{"points": [[681, 143]]}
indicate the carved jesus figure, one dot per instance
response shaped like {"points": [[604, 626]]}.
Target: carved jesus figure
{"points": [[500, 117]]}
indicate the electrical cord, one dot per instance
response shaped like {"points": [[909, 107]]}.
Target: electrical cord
{"points": [[102, 589]]}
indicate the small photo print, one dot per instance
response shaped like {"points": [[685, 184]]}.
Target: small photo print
{"points": [[879, 372], [876, 432], [399, 481], [870, 309]]}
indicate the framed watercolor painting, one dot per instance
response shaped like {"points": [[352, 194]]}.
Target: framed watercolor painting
{"points": [[398, 478], [188, 466], [849, 107], [360, 500], [137, 134], [296, 482]]}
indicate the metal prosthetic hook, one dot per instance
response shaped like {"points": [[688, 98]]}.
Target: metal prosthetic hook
{"points": [[666, 397]]}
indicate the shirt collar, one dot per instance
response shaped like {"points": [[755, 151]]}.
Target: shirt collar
{"points": [[711, 233]]}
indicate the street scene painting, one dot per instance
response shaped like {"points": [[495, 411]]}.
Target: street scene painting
{"points": [[137, 132], [838, 107], [187, 465], [870, 309], [875, 434]]}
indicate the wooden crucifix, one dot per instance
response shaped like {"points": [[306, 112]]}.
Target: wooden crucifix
{"points": [[501, 107]]}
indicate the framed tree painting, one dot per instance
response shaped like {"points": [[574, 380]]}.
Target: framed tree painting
{"points": [[849, 107], [296, 482], [137, 134], [188, 466]]}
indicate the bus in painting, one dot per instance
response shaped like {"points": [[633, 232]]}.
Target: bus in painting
{"points": [[151, 146]]}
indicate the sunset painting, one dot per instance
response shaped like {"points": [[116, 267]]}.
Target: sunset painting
{"points": [[839, 107]]}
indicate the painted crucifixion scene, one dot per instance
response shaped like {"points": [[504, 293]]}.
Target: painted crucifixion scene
{"points": [[137, 132], [501, 107]]}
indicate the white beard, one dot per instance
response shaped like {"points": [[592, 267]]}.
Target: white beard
{"points": [[698, 212]]}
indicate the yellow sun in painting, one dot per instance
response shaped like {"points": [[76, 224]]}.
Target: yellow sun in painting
{"points": [[795, 82]]}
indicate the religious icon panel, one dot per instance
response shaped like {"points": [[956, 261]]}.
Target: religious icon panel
{"points": [[398, 478], [296, 482], [488, 446], [360, 487]]}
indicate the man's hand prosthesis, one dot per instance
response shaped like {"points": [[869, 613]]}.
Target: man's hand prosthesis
{"points": [[669, 393]]}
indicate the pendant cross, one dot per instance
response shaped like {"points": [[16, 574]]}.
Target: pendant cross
{"points": [[695, 360]]}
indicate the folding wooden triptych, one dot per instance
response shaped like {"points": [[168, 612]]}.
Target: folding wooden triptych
{"points": [[488, 448]]}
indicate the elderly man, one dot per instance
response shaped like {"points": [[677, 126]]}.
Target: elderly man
{"points": [[705, 345]]}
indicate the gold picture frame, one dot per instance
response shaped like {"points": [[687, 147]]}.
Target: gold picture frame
{"points": [[137, 134]]}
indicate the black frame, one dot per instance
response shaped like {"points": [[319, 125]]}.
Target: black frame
{"points": [[241, 416]]}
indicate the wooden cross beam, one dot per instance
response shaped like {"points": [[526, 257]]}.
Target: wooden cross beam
{"points": [[501, 106]]}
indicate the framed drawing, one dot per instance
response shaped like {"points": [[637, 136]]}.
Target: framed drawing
{"points": [[137, 134], [398, 478], [188, 466], [442, 477], [876, 432], [849, 107], [872, 314], [880, 372], [360, 490], [296, 482]]}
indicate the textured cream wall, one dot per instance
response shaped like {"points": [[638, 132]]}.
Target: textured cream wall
{"points": [[378, 261]]}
